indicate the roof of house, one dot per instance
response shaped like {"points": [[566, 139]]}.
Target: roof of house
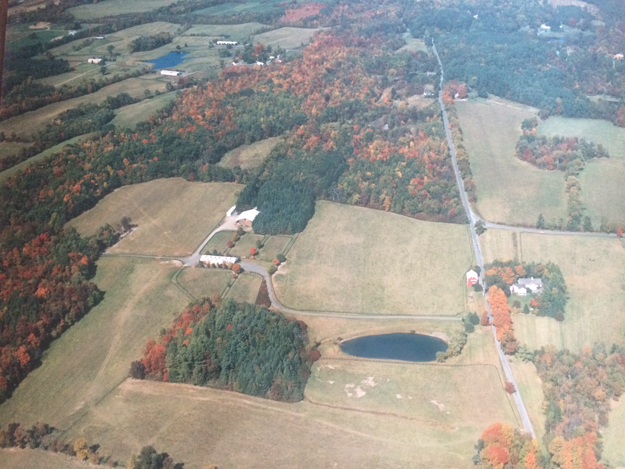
{"points": [[472, 274], [218, 259], [530, 281], [248, 215]]}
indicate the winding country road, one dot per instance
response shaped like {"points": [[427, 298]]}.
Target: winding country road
{"points": [[518, 399]]}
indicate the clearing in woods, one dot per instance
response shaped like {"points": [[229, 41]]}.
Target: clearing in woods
{"points": [[130, 116], [508, 190], [249, 156], [593, 268], [354, 259], [25, 125], [173, 216], [287, 38], [602, 180], [93, 357]]}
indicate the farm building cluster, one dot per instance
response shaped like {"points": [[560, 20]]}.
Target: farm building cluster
{"points": [[527, 285]]}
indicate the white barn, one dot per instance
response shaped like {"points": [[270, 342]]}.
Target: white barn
{"points": [[171, 73], [94, 60], [218, 260], [246, 218], [472, 278], [227, 43]]}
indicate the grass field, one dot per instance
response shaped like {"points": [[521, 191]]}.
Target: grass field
{"points": [[235, 32], [204, 283], [287, 38], [173, 216], [219, 241], [273, 246], [93, 356], [599, 131], [28, 458], [27, 124], [603, 191], [243, 246], [116, 7], [613, 448], [412, 44], [245, 288], [352, 259], [531, 388], [249, 156], [226, 9], [508, 190], [129, 116], [594, 271]]}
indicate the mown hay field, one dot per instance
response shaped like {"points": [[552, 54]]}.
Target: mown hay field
{"points": [[287, 38], [613, 448], [508, 190], [358, 260], [173, 216], [11, 148], [204, 283], [234, 32], [130, 116], [33, 458], [245, 288], [116, 7]]}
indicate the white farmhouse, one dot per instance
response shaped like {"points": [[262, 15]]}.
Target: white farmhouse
{"points": [[517, 290], [171, 73], [525, 285], [227, 43]]}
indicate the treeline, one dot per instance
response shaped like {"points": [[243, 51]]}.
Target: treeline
{"points": [[550, 302], [19, 69], [567, 154], [144, 43], [241, 347], [500, 311], [501, 446]]}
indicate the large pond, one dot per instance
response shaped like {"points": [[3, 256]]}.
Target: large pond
{"points": [[170, 60], [399, 346]]}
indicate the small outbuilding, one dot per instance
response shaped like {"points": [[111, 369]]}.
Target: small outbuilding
{"points": [[472, 278], [94, 60], [231, 211], [207, 261], [247, 218], [171, 73], [227, 43]]}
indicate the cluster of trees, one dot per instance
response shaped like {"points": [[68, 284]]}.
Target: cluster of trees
{"points": [[242, 347], [551, 302], [501, 319], [578, 390], [19, 69], [567, 154], [501, 446], [144, 43], [149, 458]]}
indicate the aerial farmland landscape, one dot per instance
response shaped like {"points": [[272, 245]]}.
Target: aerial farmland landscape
{"points": [[330, 234]]}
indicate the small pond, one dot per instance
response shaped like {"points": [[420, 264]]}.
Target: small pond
{"points": [[170, 60], [399, 346]]}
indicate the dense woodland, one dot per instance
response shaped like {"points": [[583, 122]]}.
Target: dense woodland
{"points": [[241, 347]]}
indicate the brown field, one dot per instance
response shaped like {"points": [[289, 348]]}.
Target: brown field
{"points": [[245, 288], [287, 38], [249, 156], [173, 216], [219, 241], [508, 190], [353, 259], [15, 458], [594, 269], [27, 124], [204, 283]]}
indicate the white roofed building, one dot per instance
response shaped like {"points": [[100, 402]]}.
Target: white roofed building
{"points": [[247, 218], [217, 260]]}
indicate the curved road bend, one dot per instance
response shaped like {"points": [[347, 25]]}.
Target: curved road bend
{"points": [[527, 424]]}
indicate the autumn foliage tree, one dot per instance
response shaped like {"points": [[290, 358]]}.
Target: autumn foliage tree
{"points": [[503, 446], [501, 319]]}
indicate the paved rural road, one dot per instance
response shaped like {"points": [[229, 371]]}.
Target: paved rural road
{"points": [[527, 424]]}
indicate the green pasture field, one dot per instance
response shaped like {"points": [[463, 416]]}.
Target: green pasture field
{"points": [[249, 156], [25, 125], [14, 169], [235, 32], [243, 246], [596, 130], [130, 116], [204, 283], [273, 246], [353, 259], [93, 357], [173, 216], [508, 190], [219, 241], [245, 288], [613, 448], [11, 148], [287, 38], [116, 7], [531, 388], [21, 458], [593, 268], [603, 191]]}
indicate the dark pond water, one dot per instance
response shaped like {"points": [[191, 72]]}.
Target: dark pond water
{"points": [[408, 347], [170, 60]]}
